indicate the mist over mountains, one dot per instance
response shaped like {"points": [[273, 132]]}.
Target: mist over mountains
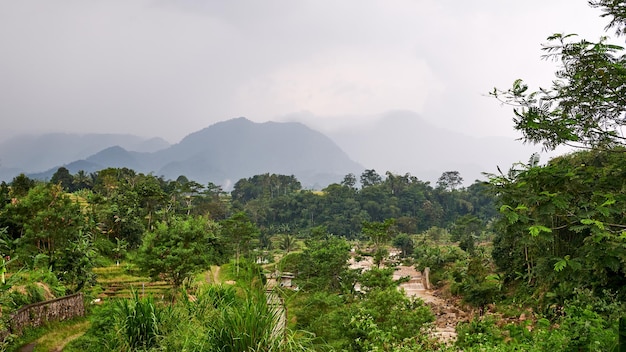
{"points": [[37, 153], [400, 142], [222, 153]]}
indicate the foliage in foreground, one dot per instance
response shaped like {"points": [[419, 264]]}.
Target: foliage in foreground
{"points": [[587, 323], [215, 318]]}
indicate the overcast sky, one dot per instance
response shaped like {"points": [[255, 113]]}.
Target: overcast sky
{"points": [[169, 68]]}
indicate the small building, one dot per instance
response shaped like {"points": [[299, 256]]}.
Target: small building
{"points": [[285, 279]]}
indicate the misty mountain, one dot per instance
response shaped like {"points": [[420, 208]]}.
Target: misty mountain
{"points": [[227, 151], [29, 154], [402, 141]]}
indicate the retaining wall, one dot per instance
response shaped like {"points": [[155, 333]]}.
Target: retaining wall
{"points": [[37, 314]]}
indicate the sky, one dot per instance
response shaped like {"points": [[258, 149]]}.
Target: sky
{"points": [[170, 68]]}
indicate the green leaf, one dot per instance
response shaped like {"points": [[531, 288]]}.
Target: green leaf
{"points": [[609, 201], [535, 230], [598, 224], [560, 265]]}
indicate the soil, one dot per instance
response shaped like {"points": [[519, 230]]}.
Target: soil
{"points": [[447, 313]]}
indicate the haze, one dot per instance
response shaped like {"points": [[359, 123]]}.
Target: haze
{"points": [[168, 68]]}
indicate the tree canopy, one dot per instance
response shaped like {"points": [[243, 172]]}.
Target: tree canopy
{"points": [[177, 249], [585, 106], [563, 226]]}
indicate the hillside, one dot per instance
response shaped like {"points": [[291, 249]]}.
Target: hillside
{"points": [[402, 141], [227, 151], [30, 153]]}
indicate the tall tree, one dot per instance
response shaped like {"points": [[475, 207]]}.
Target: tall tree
{"points": [[179, 248], [323, 265], [82, 180], [54, 227], [450, 180], [563, 223], [586, 104], [370, 178], [349, 181], [380, 234], [20, 185], [63, 177], [239, 231]]}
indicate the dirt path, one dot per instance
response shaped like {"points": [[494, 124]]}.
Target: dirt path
{"points": [[446, 314], [69, 339], [29, 347], [56, 339]]}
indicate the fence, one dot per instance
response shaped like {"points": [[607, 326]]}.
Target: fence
{"points": [[37, 314]]}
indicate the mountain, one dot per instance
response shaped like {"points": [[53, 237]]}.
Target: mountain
{"points": [[402, 141], [230, 150], [29, 154]]}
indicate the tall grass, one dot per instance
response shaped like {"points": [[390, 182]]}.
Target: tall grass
{"points": [[138, 322], [253, 325], [213, 318], [247, 326]]}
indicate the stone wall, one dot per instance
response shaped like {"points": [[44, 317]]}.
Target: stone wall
{"points": [[37, 314], [426, 278]]}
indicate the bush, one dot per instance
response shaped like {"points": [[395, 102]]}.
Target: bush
{"points": [[138, 322], [479, 332]]}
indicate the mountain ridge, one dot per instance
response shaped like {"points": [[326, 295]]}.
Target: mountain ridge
{"points": [[233, 149]]}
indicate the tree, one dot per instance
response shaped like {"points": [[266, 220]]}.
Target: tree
{"points": [[586, 104], [239, 231], [5, 192], [288, 243], [563, 223], [82, 181], [63, 177], [450, 180], [51, 226], [77, 261], [380, 234], [370, 178], [177, 249], [20, 185], [349, 181], [150, 194], [405, 243], [466, 230], [323, 265]]}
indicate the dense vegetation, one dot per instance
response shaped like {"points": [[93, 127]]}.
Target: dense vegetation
{"points": [[536, 256]]}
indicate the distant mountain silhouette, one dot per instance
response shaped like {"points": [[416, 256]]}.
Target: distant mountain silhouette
{"points": [[29, 154], [227, 151], [402, 141], [116, 157]]}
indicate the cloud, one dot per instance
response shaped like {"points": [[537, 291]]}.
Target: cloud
{"points": [[168, 68], [341, 83]]}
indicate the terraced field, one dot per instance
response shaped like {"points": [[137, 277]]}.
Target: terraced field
{"points": [[120, 281]]}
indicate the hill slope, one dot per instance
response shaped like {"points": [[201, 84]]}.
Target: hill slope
{"points": [[27, 153], [230, 150], [401, 141]]}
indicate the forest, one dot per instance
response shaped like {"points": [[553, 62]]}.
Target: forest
{"points": [[533, 259]]}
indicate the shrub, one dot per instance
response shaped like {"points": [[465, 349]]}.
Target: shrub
{"points": [[138, 322]]}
